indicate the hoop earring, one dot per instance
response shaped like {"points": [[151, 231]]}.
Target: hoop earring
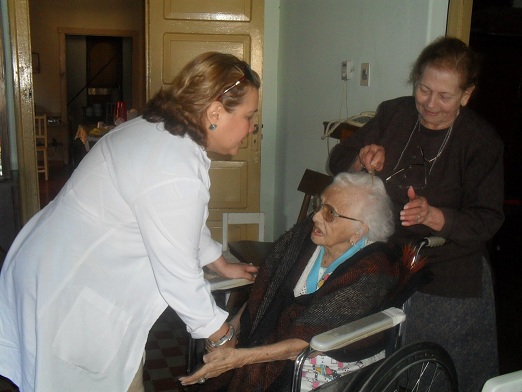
{"points": [[212, 127]]}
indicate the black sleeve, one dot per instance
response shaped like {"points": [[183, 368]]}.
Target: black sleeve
{"points": [[344, 154]]}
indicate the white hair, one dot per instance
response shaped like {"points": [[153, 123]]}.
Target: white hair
{"points": [[376, 206]]}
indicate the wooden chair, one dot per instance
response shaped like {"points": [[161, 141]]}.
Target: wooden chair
{"points": [[312, 184], [109, 113], [40, 132]]}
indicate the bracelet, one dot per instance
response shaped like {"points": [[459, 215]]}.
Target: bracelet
{"points": [[226, 338]]}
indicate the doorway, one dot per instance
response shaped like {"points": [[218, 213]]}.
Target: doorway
{"points": [[99, 74], [98, 70]]}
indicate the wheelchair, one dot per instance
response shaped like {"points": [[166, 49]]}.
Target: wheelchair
{"points": [[417, 367], [423, 366]]}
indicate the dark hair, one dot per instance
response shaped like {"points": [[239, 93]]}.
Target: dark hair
{"points": [[182, 106], [450, 54]]}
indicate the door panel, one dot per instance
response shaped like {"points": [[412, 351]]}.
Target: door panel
{"points": [[181, 48], [179, 30], [238, 10], [229, 186]]}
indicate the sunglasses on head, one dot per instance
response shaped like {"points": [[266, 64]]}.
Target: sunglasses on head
{"points": [[247, 75]]}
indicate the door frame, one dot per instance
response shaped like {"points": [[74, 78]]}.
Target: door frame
{"points": [[20, 37], [458, 23]]}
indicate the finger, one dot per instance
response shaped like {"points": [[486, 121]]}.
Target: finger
{"points": [[366, 154], [377, 161], [248, 276], [251, 269], [192, 378], [411, 193]]}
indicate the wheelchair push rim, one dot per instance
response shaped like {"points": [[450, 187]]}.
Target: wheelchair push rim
{"points": [[418, 367]]}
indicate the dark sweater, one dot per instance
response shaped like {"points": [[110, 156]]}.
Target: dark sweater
{"points": [[466, 183]]}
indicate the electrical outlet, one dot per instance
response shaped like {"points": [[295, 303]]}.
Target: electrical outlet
{"points": [[365, 74], [347, 70], [344, 70]]}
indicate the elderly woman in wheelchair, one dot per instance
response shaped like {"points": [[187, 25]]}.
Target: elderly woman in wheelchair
{"points": [[332, 269]]}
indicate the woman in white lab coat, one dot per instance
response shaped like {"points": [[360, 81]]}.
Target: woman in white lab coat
{"points": [[126, 237]]}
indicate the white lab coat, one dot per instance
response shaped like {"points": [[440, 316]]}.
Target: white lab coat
{"points": [[89, 275]]}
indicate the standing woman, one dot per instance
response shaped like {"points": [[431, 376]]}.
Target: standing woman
{"points": [[443, 169], [126, 237]]}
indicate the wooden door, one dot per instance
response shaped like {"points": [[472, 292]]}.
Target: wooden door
{"points": [[177, 31]]}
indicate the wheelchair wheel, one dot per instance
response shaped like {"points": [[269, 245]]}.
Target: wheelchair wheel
{"points": [[418, 367]]}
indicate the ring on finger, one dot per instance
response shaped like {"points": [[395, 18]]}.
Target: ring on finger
{"points": [[202, 380]]}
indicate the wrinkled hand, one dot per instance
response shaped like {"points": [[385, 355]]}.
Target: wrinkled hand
{"points": [[372, 157], [416, 211], [216, 363]]}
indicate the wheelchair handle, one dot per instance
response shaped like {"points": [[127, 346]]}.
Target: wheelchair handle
{"points": [[432, 241]]}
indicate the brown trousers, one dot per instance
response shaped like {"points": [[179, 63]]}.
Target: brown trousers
{"points": [[137, 382]]}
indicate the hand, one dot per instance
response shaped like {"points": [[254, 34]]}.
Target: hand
{"points": [[239, 270], [417, 211], [234, 270], [216, 363], [372, 157], [230, 344]]}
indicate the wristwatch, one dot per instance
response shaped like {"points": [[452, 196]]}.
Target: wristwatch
{"points": [[226, 338]]}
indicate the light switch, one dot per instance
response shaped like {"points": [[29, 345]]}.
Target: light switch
{"points": [[365, 74]]}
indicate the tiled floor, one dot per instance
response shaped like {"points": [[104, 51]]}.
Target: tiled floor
{"points": [[167, 345], [166, 353]]}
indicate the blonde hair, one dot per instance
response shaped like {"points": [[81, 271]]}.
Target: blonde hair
{"points": [[182, 106]]}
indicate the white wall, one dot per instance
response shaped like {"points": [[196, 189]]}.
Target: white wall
{"points": [[305, 43]]}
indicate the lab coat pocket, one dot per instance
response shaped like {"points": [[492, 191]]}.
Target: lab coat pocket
{"points": [[91, 333]]}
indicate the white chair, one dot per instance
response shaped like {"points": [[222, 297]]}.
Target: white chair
{"points": [[246, 251], [243, 218], [511, 382], [240, 218], [40, 132]]}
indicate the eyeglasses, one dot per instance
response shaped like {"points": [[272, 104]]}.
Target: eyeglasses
{"points": [[414, 174], [247, 75], [328, 212]]}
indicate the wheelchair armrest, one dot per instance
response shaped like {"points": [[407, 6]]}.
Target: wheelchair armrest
{"points": [[344, 335], [357, 330]]}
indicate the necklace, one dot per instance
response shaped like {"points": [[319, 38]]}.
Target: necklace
{"points": [[406, 146], [446, 138], [432, 160]]}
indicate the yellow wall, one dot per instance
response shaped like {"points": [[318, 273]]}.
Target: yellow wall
{"points": [[47, 16]]}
